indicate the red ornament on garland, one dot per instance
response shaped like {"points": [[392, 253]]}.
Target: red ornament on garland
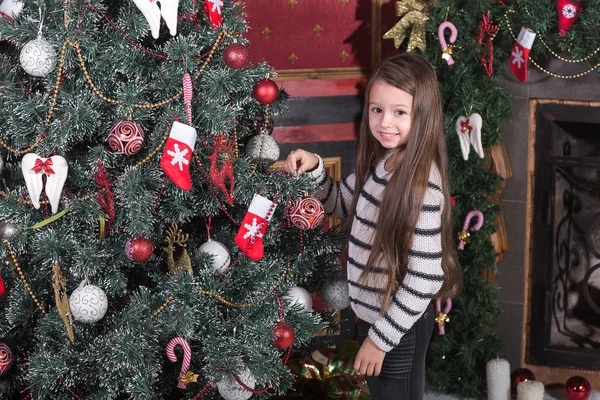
{"points": [[6, 359], [487, 27], [568, 12], [139, 249], [577, 388], [306, 213], [126, 137], [283, 335], [520, 375], [235, 55], [265, 91]]}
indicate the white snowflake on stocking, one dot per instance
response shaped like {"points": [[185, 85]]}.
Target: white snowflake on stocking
{"points": [[178, 156], [216, 5], [518, 57], [569, 11], [253, 230]]}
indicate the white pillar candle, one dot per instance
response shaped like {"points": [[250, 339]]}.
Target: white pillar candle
{"points": [[530, 390], [498, 379]]}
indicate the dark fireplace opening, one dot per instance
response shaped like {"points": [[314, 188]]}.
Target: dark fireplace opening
{"points": [[565, 271]]}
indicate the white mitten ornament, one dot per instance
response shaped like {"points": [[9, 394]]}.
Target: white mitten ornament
{"points": [[55, 168], [468, 130], [177, 154], [168, 9]]}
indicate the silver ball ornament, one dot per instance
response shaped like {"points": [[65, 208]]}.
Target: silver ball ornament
{"points": [[221, 258], [335, 294], [300, 296], [269, 153], [230, 389], [88, 303], [7, 229], [38, 57]]}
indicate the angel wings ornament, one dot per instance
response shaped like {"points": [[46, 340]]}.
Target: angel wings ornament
{"points": [[168, 10], [468, 130], [55, 168]]}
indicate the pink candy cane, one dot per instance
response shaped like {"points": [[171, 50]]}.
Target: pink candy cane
{"points": [[187, 357], [187, 96], [442, 317], [478, 224], [453, 34]]}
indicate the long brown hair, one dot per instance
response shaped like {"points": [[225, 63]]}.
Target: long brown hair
{"points": [[426, 147]]}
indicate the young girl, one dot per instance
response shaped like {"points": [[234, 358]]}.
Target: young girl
{"points": [[401, 249]]}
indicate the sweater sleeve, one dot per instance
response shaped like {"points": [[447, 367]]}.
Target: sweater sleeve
{"points": [[424, 275], [335, 196]]}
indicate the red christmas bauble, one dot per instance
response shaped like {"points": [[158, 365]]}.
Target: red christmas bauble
{"points": [[265, 91], [306, 213], [577, 388], [520, 375], [283, 335], [126, 137], [6, 359], [139, 249], [235, 56]]}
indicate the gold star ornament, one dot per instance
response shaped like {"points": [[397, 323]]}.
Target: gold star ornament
{"points": [[413, 15]]}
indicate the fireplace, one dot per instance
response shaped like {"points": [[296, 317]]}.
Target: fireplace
{"points": [[562, 280]]}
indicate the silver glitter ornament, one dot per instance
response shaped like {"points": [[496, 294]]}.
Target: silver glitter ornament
{"points": [[221, 258], [335, 294], [88, 303]]}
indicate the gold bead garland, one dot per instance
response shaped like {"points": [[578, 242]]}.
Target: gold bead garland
{"points": [[22, 275], [287, 271]]}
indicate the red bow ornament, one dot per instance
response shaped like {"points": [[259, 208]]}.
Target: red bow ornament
{"points": [[56, 170]]}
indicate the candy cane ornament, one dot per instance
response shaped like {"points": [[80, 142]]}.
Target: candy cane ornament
{"points": [[453, 34], [463, 237], [185, 376], [187, 96], [442, 317]]}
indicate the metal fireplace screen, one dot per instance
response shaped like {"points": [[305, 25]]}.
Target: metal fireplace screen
{"points": [[565, 297]]}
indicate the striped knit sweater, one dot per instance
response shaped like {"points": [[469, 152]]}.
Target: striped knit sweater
{"points": [[424, 275]]}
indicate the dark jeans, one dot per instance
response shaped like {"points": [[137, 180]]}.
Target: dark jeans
{"points": [[402, 374]]}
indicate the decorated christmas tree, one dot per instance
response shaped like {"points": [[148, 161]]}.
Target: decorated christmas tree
{"points": [[150, 249]]}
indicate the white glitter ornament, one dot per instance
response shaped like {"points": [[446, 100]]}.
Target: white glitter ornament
{"points": [[335, 294], [88, 303], [263, 147], [38, 57], [12, 8], [221, 258], [230, 389], [300, 296]]}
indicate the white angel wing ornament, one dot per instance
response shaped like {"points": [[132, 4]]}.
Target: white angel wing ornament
{"points": [[56, 170], [468, 130]]}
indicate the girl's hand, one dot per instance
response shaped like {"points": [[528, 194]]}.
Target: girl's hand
{"points": [[299, 161], [369, 358]]}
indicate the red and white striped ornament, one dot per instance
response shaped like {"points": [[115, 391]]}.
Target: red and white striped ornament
{"points": [[187, 96], [306, 213], [187, 357], [126, 137]]}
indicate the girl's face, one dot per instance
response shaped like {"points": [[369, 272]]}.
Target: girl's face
{"points": [[390, 115]]}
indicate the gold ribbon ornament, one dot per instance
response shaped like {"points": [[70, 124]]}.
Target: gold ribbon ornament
{"points": [[412, 13]]}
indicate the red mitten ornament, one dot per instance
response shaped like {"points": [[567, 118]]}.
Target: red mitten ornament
{"points": [[520, 53], [213, 9], [568, 11], [250, 235], [177, 154]]}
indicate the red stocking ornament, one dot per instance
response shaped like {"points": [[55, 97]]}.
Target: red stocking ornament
{"points": [[520, 53], [568, 12], [177, 154], [213, 9], [250, 235], [218, 175]]}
